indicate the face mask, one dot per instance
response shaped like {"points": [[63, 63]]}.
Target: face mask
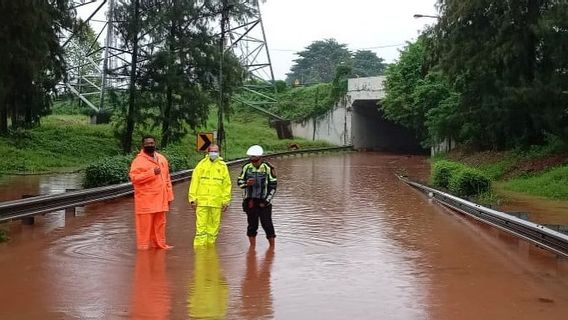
{"points": [[213, 155], [149, 149]]}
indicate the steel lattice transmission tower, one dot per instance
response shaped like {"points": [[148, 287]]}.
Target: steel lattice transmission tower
{"points": [[104, 63], [248, 42], [107, 63]]}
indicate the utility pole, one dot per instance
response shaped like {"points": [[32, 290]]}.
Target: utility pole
{"points": [[221, 111]]}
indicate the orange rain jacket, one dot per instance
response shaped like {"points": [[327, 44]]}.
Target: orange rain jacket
{"points": [[152, 192]]}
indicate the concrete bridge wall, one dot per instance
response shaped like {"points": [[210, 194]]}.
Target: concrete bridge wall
{"points": [[357, 120]]}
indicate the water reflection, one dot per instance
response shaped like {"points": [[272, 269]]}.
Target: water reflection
{"points": [[14, 187], [355, 243], [209, 292], [150, 292], [256, 291]]}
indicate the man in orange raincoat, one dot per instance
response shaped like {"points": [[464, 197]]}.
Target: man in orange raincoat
{"points": [[150, 176]]}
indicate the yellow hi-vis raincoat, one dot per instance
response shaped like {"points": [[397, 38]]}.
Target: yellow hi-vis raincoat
{"points": [[210, 190]]}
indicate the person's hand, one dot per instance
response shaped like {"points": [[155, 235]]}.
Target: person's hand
{"points": [[250, 182], [193, 205], [225, 208], [157, 170], [262, 204]]}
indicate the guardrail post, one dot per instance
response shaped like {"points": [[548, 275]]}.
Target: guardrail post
{"points": [[28, 221], [72, 211], [520, 215]]}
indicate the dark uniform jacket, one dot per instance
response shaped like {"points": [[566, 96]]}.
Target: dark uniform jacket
{"points": [[265, 186]]}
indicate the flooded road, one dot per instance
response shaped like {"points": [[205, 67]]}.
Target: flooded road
{"points": [[14, 187], [352, 243], [540, 210]]}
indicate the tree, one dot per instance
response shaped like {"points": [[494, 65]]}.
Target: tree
{"points": [[130, 27], [32, 59], [366, 63], [402, 79], [184, 74], [318, 62], [510, 58], [178, 62], [420, 98]]}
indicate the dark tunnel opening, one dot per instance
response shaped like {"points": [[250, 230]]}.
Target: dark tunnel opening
{"points": [[371, 131]]}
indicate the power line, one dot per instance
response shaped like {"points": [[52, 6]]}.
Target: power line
{"points": [[385, 46]]}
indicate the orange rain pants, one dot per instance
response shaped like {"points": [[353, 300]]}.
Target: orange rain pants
{"points": [[151, 230]]}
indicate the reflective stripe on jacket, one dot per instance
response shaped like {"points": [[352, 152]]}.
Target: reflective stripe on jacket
{"points": [[265, 181], [210, 184]]}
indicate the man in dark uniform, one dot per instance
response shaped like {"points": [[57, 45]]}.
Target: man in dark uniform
{"points": [[258, 180]]}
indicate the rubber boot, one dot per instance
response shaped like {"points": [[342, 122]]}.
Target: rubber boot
{"points": [[252, 241], [271, 242]]}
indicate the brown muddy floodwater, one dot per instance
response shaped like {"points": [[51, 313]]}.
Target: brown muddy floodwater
{"points": [[15, 187], [353, 243]]}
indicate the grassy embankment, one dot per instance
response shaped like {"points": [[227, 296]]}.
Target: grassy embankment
{"points": [[541, 171], [62, 143], [67, 143]]}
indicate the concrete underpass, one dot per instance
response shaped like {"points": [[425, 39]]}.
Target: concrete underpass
{"points": [[357, 120], [371, 131]]}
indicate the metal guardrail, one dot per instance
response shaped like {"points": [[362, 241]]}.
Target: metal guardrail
{"points": [[539, 235], [29, 207]]}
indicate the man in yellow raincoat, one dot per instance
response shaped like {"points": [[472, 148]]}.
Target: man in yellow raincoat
{"points": [[209, 195]]}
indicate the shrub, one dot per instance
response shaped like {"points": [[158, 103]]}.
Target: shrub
{"points": [[112, 170], [176, 161], [467, 182], [442, 172]]}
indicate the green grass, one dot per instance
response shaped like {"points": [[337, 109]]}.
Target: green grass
{"points": [[487, 199], [61, 143], [69, 142], [550, 184], [512, 169], [305, 102], [242, 131], [498, 169]]}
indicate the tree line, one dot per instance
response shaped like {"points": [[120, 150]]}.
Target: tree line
{"points": [[318, 62], [32, 59], [177, 62], [490, 74]]}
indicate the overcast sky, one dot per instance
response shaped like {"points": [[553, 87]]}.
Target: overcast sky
{"points": [[291, 25]]}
